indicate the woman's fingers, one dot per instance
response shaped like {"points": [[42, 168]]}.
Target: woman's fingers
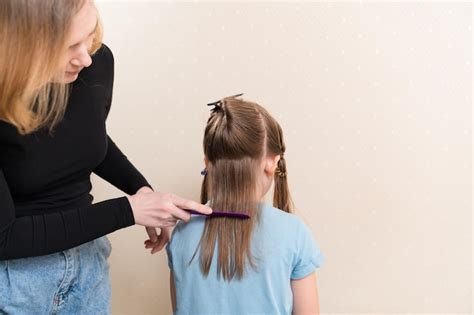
{"points": [[151, 231], [178, 214], [190, 204], [155, 209], [159, 246], [160, 243]]}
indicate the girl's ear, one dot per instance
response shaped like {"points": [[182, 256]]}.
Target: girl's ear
{"points": [[205, 161], [271, 163]]}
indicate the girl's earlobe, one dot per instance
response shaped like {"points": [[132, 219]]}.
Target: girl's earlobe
{"points": [[271, 164]]}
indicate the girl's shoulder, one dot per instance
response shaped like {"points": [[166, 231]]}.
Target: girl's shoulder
{"points": [[292, 236], [277, 221], [280, 217], [195, 226]]}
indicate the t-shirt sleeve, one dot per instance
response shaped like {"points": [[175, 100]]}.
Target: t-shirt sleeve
{"points": [[308, 256], [170, 245], [170, 257]]}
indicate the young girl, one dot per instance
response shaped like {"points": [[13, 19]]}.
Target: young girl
{"points": [[261, 265]]}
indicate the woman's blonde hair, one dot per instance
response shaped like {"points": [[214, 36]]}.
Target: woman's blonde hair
{"points": [[237, 136], [33, 43]]}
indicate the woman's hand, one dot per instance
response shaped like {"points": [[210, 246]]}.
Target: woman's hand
{"points": [[157, 242], [156, 209]]}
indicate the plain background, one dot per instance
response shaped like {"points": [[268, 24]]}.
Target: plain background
{"points": [[375, 102]]}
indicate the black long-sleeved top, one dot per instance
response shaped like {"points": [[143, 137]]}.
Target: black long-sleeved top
{"points": [[45, 201]]}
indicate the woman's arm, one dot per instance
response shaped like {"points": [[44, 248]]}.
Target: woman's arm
{"points": [[305, 295], [48, 233], [119, 171], [51, 232], [115, 168]]}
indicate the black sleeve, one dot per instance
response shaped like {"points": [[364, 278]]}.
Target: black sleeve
{"points": [[119, 171], [43, 234], [50, 232], [116, 168]]}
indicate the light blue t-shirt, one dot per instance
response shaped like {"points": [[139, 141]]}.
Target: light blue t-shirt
{"points": [[284, 249]]}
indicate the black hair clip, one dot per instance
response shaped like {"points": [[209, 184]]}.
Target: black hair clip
{"points": [[218, 104]]}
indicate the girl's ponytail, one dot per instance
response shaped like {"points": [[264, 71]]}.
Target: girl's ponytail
{"points": [[281, 195]]}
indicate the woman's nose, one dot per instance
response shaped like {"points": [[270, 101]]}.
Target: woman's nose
{"points": [[82, 58]]}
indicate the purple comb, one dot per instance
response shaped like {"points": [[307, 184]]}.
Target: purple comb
{"points": [[221, 214]]}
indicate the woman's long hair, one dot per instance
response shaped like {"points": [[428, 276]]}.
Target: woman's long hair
{"points": [[33, 43], [237, 137]]}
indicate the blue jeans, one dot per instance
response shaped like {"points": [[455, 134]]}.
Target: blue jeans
{"points": [[74, 281]]}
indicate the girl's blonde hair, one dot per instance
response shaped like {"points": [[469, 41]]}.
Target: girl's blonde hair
{"points": [[237, 136], [33, 43]]}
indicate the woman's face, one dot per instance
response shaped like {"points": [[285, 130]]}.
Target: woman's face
{"points": [[79, 41]]}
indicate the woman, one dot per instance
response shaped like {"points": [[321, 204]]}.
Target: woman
{"points": [[56, 83]]}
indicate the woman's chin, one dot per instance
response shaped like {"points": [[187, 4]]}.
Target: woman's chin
{"points": [[70, 77]]}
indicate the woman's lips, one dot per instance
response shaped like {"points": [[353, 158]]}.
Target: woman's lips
{"points": [[73, 72]]}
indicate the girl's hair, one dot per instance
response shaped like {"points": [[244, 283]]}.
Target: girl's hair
{"points": [[238, 135], [33, 43]]}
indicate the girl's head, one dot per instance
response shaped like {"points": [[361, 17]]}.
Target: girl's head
{"points": [[44, 44], [244, 153], [243, 142]]}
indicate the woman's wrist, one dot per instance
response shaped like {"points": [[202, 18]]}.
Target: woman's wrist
{"points": [[144, 189]]}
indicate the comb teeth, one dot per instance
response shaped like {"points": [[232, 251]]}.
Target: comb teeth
{"points": [[221, 214]]}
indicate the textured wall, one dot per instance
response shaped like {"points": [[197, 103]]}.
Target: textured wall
{"points": [[375, 102]]}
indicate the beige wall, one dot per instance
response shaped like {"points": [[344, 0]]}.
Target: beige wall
{"points": [[375, 101]]}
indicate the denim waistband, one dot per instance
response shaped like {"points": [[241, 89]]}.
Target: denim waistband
{"points": [[68, 282]]}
